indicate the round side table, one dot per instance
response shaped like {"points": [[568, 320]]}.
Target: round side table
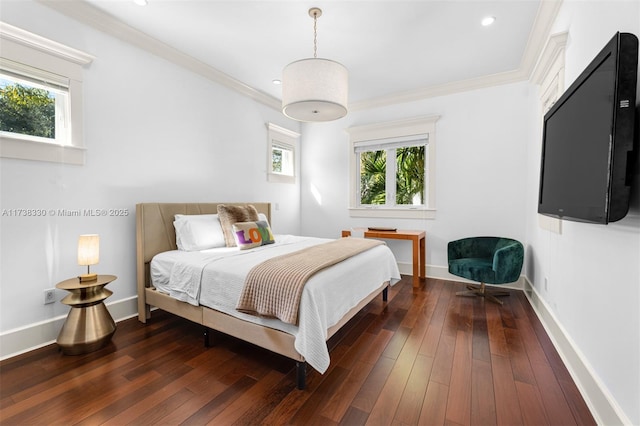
{"points": [[89, 325]]}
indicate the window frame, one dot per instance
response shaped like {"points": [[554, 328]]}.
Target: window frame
{"points": [[549, 76], [279, 137], [411, 129], [390, 147], [25, 53]]}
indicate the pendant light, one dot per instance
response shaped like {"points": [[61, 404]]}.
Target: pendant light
{"points": [[315, 89]]}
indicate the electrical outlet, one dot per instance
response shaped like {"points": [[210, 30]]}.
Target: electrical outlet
{"points": [[49, 296]]}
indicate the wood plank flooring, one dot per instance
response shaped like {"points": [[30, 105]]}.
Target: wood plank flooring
{"points": [[426, 357]]}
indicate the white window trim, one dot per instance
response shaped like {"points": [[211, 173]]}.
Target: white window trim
{"points": [[418, 127], [286, 138], [32, 50], [549, 76]]}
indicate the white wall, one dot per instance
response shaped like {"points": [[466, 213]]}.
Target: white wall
{"points": [[593, 271], [153, 132], [481, 158], [488, 158]]}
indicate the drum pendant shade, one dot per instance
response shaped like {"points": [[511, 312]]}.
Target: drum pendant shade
{"points": [[315, 89]]}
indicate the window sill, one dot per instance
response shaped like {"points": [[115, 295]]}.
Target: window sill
{"points": [[40, 151], [274, 177], [393, 213]]}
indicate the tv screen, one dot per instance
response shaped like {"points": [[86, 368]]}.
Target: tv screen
{"points": [[588, 138]]}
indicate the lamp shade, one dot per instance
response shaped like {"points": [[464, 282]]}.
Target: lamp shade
{"points": [[88, 249], [315, 89]]}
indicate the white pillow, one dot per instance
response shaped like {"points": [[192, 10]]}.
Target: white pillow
{"points": [[198, 232]]}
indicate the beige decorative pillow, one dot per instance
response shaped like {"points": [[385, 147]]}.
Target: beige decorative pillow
{"points": [[229, 215]]}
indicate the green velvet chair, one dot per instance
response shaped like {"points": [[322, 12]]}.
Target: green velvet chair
{"points": [[487, 260]]}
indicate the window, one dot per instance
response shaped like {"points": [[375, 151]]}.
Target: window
{"points": [[40, 98], [393, 169], [398, 182], [33, 104], [281, 159], [282, 154]]}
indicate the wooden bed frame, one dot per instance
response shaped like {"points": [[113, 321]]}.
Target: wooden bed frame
{"points": [[155, 234]]}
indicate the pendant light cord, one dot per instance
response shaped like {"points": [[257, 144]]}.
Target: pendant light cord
{"points": [[315, 35]]}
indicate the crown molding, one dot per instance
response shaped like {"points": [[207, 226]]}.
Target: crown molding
{"points": [[84, 12], [441, 90], [539, 35], [90, 15]]}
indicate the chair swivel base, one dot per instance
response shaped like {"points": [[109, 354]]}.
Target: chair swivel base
{"points": [[482, 291]]}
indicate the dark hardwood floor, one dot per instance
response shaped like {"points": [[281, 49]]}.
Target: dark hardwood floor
{"points": [[426, 357]]}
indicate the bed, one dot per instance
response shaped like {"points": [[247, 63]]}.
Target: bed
{"points": [[361, 277]]}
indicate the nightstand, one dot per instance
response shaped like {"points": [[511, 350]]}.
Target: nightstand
{"points": [[89, 325]]}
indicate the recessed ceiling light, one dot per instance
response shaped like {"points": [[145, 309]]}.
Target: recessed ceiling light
{"points": [[140, 2], [488, 21], [277, 82]]}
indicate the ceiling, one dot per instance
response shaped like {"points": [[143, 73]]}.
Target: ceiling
{"points": [[394, 50]]}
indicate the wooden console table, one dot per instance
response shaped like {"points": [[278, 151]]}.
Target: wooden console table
{"points": [[418, 239]]}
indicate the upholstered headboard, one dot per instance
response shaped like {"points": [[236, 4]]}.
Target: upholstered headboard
{"points": [[155, 232]]}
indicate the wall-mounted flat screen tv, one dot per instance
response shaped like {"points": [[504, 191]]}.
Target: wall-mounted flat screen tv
{"points": [[588, 139]]}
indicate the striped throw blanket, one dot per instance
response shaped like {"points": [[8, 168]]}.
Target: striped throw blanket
{"points": [[274, 287]]}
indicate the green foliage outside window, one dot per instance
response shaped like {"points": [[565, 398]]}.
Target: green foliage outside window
{"points": [[276, 160], [373, 169], [27, 110], [410, 173]]}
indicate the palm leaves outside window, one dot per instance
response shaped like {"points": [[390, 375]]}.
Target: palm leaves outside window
{"points": [[409, 176], [373, 170]]}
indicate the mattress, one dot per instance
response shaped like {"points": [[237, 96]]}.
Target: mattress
{"points": [[214, 278]]}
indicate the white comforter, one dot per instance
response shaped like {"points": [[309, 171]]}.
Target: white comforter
{"points": [[214, 278]]}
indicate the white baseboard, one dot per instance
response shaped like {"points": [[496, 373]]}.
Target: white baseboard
{"points": [[24, 339], [603, 406]]}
